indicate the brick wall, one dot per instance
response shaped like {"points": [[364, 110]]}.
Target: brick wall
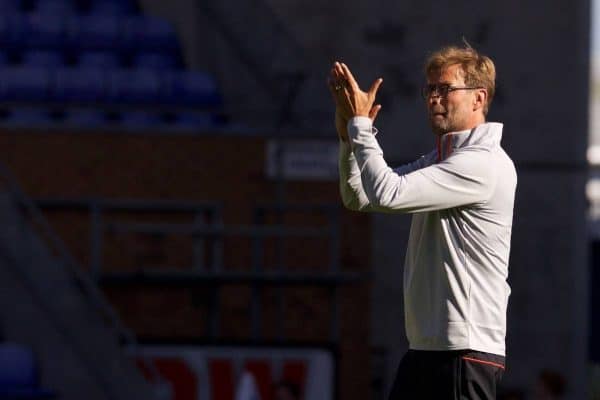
{"points": [[228, 170]]}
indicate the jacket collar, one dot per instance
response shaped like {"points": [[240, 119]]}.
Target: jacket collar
{"points": [[488, 134]]}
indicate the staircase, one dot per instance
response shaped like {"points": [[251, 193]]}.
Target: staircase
{"points": [[48, 303]]}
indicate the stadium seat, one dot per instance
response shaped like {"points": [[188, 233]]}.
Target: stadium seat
{"points": [[194, 120], [80, 84], [19, 374], [4, 59], [98, 59], [155, 60], [192, 88], [55, 7], [112, 7], [42, 58], [28, 116], [149, 33], [140, 86], [24, 83], [94, 32], [142, 119], [85, 117], [9, 6], [12, 30], [44, 30]]}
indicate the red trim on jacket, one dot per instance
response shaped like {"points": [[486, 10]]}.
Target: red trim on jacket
{"points": [[483, 362]]}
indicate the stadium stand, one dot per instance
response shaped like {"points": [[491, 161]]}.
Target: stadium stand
{"points": [[101, 58]]}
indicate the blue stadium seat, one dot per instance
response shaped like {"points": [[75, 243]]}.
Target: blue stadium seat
{"points": [[19, 374], [99, 59], [193, 88], [141, 119], [56, 7], [4, 59], [10, 6], [85, 117], [80, 84], [195, 120], [28, 116], [12, 30], [112, 7], [140, 86], [94, 32], [25, 83], [149, 33], [155, 60], [43, 58], [45, 30]]}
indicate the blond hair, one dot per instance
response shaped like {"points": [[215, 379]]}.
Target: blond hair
{"points": [[478, 69]]}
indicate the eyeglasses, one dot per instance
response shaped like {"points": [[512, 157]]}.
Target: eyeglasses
{"points": [[443, 89]]}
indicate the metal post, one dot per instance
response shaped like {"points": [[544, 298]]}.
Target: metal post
{"points": [[257, 261], [217, 241], [215, 263], [280, 291], [96, 237], [198, 243], [334, 268]]}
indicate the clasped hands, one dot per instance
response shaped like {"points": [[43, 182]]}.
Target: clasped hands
{"points": [[350, 100]]}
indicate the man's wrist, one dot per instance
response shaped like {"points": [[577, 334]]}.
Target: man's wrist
{"points": [[357, 124], [359, 121]]}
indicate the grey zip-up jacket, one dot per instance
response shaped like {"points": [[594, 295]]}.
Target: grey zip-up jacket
{"points": [[462, 196]]}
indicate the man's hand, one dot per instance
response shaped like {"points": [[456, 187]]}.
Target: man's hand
{"points": [[349, 98], [338, 86]]}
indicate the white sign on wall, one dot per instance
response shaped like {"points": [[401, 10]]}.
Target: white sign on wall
{"points": [[302, 159]]}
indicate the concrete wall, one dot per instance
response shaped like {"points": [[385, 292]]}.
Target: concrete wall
{"points": [[230, 171]]}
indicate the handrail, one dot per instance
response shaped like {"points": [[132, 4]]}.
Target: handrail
{"points": [[88, 287], [214, 274], [166, 276], [63, 252], [216, 231], [130, 205]]}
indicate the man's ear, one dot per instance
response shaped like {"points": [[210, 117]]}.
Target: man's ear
{"points": [[479, 99]]}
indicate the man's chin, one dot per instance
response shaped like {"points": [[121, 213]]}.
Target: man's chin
{"points": [[439, 129]]}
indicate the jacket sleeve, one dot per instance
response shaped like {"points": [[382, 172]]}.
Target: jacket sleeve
{"points": [[463, 178], [352, 192]]}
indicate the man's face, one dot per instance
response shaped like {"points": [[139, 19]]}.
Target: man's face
{"points": [[454, 111]]}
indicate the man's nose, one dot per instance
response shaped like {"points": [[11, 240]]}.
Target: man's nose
{"points": [[434, 99]]}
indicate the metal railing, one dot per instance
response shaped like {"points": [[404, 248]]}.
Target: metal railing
{"points": [[208, 233]]}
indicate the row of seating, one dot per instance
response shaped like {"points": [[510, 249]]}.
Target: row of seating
{"points": [[107, 7], [91, 118], [100, 59], [97, 53], [118, 86], [94, 32]]}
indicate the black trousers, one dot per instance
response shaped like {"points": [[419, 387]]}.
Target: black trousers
{"points": [[448, 375]]}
